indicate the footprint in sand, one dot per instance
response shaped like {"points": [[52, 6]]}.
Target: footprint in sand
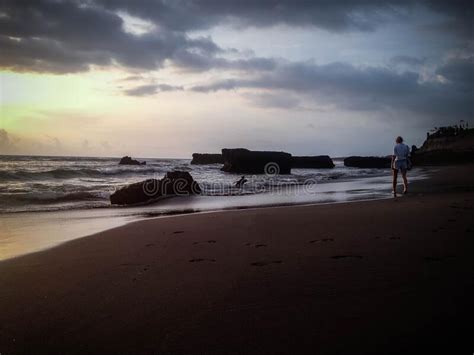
{"points": [[197, 260], [346, 256], [324, 240], [207, 241], [256, 245], [139, 272], [265, 263]]}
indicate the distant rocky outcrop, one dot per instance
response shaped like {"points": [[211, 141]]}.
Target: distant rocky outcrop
{"points": [[175, 183], [206, 158], [368, 162], [245, 161], [126, 160], [447, 145], [312, 162]]}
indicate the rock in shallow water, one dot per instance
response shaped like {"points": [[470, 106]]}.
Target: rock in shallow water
{"points": [[205, 158], [312, 162], [126, 160], [242, 160], [175, 183]]}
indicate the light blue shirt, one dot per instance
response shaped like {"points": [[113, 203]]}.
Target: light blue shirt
{"points": [[401, 151]]}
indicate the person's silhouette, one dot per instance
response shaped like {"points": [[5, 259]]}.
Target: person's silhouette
{"points": [[241, 182]]}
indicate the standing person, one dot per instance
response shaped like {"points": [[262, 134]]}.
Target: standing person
{"points": [[400, 163]]}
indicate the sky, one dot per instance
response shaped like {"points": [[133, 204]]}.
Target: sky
{"points": [[168, 78]]}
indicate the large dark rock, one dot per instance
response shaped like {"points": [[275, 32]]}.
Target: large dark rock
{"points": [[175, 183], [313, 162], [448, 145], [126, 160], [245, 161], [368, 162], [205, 158]]}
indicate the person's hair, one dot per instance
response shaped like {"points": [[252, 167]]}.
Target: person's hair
{"points": [[399, 139]]}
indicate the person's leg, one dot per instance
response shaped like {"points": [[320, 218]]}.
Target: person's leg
{"points": [[394, 182], [405, 181]]}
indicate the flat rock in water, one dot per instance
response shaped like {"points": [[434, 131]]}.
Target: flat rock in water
{"points": [[205, 158], [242, 160]]}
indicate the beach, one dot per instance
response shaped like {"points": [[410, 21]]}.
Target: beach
{"points": [[381, 276], [46, 201]]}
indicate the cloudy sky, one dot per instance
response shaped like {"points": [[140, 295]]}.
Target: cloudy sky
{"points": [[166, 78]]}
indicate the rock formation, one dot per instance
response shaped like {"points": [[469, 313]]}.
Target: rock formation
{"points": [[447, 145], [126, 160], [368, 162], [175, 183], [312, 162], [205, 158], [245, 161]]}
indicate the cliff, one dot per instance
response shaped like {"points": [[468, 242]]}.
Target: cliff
{"points": [[446, 146]]}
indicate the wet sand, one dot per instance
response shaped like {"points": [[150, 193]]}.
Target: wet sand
{"points": [[28, 232], [363, 277]]}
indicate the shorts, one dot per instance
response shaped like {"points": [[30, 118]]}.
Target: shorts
{"points": [[401, 165]]}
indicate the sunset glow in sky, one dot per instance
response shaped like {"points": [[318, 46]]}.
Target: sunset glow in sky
{"points": [[168, 78]]}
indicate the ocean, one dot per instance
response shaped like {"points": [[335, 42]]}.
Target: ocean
{"points": [[38, 183], [45, 201]]}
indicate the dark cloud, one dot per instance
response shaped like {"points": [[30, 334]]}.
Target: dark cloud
{"points": [[70, 35], [132, 78], [201, 62], [331, 15], [369, 88], [151, 89], [459, 70], [408, 60], [458, 15], [334, 78], [227, 84], [276, 100], [363, 15]]}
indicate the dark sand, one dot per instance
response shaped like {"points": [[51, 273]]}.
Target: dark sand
{"points": [[365, 277]]}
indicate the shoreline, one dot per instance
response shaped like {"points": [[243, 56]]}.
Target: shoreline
{"points": [[380, 276], [185, 213], [28, 232]]}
